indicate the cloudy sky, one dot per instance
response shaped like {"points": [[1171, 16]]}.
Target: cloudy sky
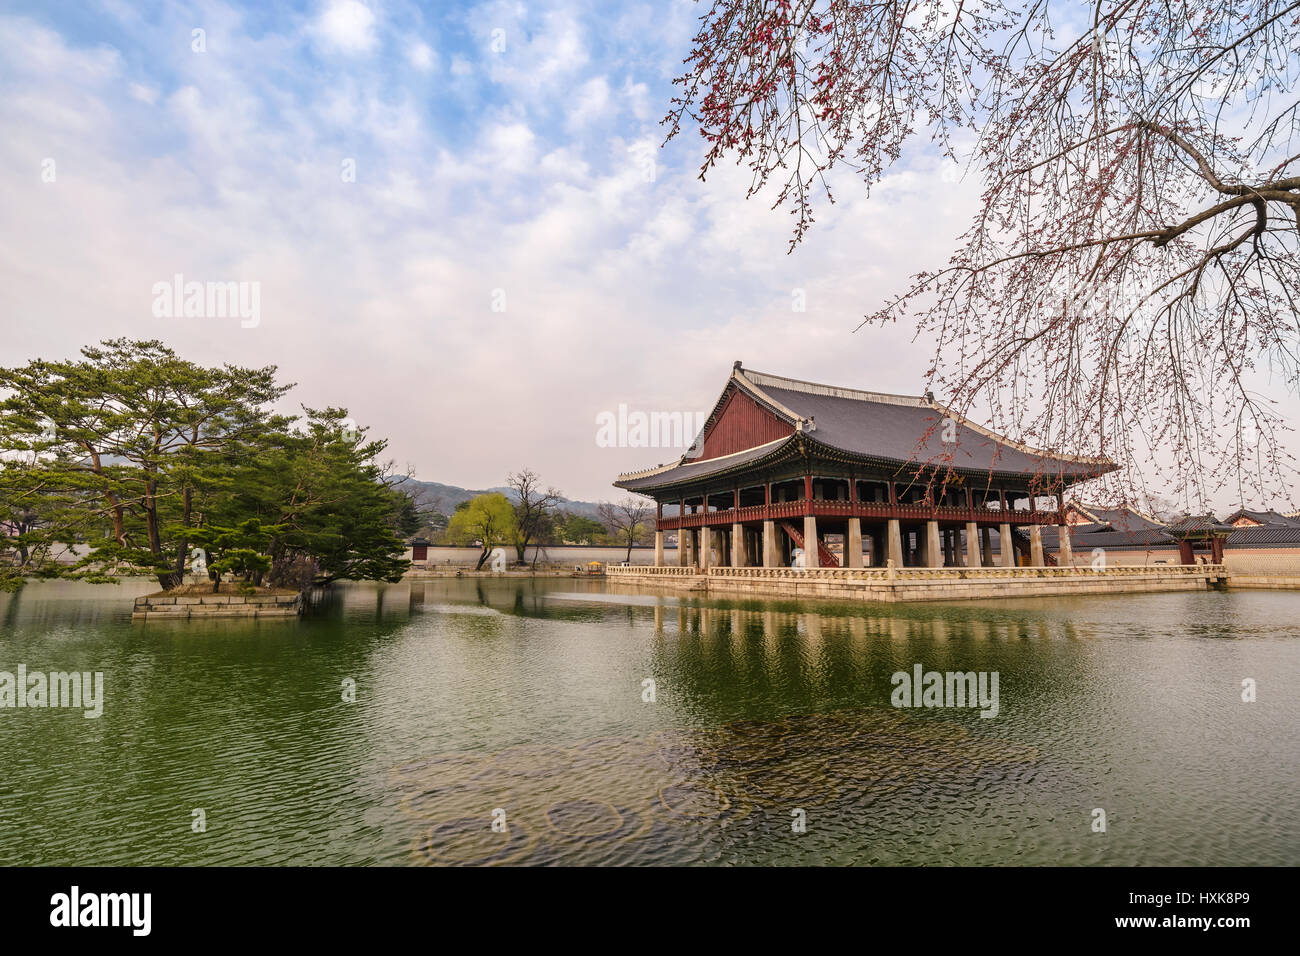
{"points": [[459, 219]]}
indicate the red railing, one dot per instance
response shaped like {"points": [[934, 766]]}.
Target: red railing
{"points": [[843, 509]]}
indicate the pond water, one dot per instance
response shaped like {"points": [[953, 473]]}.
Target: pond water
{"points": [[771, 737]]}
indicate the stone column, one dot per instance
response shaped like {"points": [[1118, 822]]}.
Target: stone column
{"points": [[933, 549], [972, 545], [853, 544], [1036, 545], [659, 549], [771, 554], [1065, 550], [811, 556], [986, 547], [705, 549], [737, 545], [895, 552], [683, 547], [1007, 549]]}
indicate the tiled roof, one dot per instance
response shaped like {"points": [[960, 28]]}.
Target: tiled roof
{"points": [[1265, 535], [893, 429], [1264, 517], [687, 470], [1088, 539], [1198, 523]]}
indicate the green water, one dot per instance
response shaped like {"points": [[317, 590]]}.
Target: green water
{"points": [[527, 697]]}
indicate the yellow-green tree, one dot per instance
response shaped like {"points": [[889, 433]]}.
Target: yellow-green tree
{"points": [[488, 521]]}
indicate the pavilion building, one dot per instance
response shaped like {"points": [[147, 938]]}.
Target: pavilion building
{"points": [[786, 471]]}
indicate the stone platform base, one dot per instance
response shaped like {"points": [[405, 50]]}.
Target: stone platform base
{"points": [[924, 584], [1269, 582], [181, 607]]}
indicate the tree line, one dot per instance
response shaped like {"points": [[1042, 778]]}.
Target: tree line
{"points": [[534, 515], [133, 460]]}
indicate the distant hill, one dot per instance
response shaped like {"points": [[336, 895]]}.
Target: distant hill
{"points": [[447, 497]]}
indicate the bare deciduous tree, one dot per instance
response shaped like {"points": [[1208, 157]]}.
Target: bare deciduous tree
{"points": [[1132, 272], [533, 509], [625, 520]]}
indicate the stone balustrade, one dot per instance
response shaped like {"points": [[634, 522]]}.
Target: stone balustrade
{"points": [[638, 569], [891, 584]]}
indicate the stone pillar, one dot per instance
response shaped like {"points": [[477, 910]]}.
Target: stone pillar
{"points": [[933, 549], [811, 556], [659, 549], [737, 545], [1065, 550], [972, 545], [853, 544], [683, 547], [771, 554], [1005, 547], [895, 552], [1036, 545], [986, 547], [705, 549]]}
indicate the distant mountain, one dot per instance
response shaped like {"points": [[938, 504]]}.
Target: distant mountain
{"points": [[447, 497]]}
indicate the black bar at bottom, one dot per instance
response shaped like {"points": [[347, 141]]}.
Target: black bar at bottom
{"points": [[336, 906]]}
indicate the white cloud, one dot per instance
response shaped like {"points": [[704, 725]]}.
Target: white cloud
{"points": [[511, 147], [636, 96], [143, 93], [421, 56], [590, 103], [347, 26]]}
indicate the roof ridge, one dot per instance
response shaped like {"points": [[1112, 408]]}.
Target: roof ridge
{"points": [[835, 391]]}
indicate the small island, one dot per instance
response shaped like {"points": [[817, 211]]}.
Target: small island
{"points": [[200, 602]]}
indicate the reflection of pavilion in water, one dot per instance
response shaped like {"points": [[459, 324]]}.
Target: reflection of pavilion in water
{"points": [[814, 626]]}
